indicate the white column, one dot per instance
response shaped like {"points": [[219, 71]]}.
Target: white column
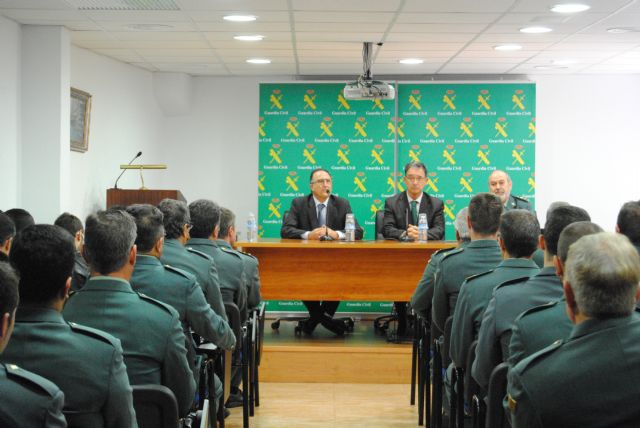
{"points": [[44, 155]]}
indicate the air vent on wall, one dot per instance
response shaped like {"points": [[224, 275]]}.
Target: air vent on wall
{"points": [[124, 4]]}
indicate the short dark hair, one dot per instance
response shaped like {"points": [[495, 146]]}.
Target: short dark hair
{"points": [[21, 218], [205, 216], [70, 223], [414, 164], [629, 221], [557, 220], [572, 233], [175, 216], [227, 220], [8, 289], [43, 255], [485, 210], [109, 236], [317, 170], [149, 226], [519, 230], [7, 228]]}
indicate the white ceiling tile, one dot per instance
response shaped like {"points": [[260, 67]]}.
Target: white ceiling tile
{"points": [[225, 36], [167, 26], [413, 38], [457, 6], [438, 28], [156, 35], [611, 47], [337, 46], [339, 37], [236, 28], [144, 65], [331, 68], [340, 27], [240, 46], [89, 35], [350, 5], [35, 4], [44, 14], [233, 5], [477, 68], [200, 15], [136, 16], [537, 6], [446, 18], [175, 52], [181, 59], [343, 17], [602, 68], [521, 38]]}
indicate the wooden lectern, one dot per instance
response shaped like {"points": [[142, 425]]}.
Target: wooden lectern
{"points": [[127, 197]]}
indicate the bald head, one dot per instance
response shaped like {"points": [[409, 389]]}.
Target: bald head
{"points": [[500, 185]]}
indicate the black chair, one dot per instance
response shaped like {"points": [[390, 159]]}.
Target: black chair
{"points": [[424, 372], [497, 391], [240, 358], [441, 361], [257, 337], [471, 386], [155, 406], [478, 412], [216, 362]]}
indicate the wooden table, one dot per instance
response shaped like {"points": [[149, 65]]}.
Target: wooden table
{"points": [[293, 269]]}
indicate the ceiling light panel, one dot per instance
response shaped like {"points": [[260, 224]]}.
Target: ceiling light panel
{"points": [[535, 29], [226, 36], [350, 5], [570, 8]]}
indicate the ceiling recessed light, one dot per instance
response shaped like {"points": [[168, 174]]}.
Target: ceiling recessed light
{"points": [[535, 30], [508, 47], [570, 8], [621, 30], [253, 38], [411, 61], [239, 18], [259, 61]]}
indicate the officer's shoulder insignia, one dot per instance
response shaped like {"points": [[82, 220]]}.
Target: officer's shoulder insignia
{"points": [[452, 253], [180, 272], [230, 251], [199, 253], [538, 308], [521, 199], [443, 251], [512, 403], [92, 332], [247, 254], [164, 306], [526, 363], [48, 387], [478, 275], [513, 281]]}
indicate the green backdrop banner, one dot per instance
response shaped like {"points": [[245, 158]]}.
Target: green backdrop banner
{"points": [[462, 132]]}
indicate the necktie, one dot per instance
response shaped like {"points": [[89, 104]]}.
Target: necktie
{"points": [[414, 212], [322, 218]]}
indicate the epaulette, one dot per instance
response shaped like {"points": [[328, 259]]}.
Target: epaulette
{"points": [[164, 306], [247, 254], [92, 332], [478, 275], [524, 364], [538, 309], [520, 198], [452, 253], [45, 385], [230, 251], [180, 272], [198, 252], [513, 281]]}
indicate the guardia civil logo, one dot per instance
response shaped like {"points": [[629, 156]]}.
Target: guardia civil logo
{"points": [[465, 127], [518, 155], [518, 100], [432, 182], [274, 154], [483, 100], [414, 153], [414, 100], [448, 154], [261, 127], [343, 153], [292, 127], [261, 179], [393, 128], [360, 125], [448, 99], [275, 100], [394, 183], [376, 205], [376, 155], [450, 209], [291, 181], [308, 154], [274, 208], [465, 182], [483, 155], [325, 126], [501, 127], [359, 180], [432, 127], [532, 127], [531, 181], [342, 102], [309, 100]]}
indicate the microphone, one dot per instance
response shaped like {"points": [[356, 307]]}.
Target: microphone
{"points": [[130, 162]]}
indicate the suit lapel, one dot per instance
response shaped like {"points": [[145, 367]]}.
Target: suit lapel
{"points": [[332, 213], [312, 213], [403, 214]]}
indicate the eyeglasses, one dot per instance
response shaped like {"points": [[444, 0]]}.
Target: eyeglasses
{"points": [[322, 181], [414, 178]]}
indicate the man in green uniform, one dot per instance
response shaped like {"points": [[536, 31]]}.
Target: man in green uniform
{"points": [[519, 230], [480, 255], [73, 225], [423, 296], [177, 224], [205, 218], [500, 185], [628, 222], [28, 400], [591, 378], [228, 234], [514, 297], [7, 232], [85, 363], [150, 331], [540, 326]]}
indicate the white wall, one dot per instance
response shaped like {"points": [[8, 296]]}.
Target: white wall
{"points": [[9, 112], [125, 119]]}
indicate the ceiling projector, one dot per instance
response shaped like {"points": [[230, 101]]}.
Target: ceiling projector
{"points": [[365, 88]]}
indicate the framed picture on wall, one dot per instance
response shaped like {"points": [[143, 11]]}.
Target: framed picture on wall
{"points": [[80, 119]]}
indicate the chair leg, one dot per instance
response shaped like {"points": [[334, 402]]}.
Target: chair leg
{"points": [[251, 364], [212, 390], [245, 384], [460, 396], [414, 361], [426, 374], [421, 382], [436, 410], [453, 398]]}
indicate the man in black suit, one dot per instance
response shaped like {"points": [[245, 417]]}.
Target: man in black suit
{"points": [[401, 214], [313, 217]]}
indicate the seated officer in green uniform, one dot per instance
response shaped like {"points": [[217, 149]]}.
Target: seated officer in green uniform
{"points": [[480, 255], [628, 222], [423, 295], [87, 364], [150, 331], [227, 233], [540, 326], [514, 297], [177, 224], [73, 225], [591, 378], [519, 230], [26, 399], [500, 184], [205, 218]]}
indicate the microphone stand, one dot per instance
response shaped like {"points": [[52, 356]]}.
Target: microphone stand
{"points": [[326, 236]]}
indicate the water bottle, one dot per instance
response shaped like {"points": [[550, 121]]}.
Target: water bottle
{"points": [[350, 228], [423, 228], [252, 228]]}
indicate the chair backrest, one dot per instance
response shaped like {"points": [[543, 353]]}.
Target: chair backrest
{"points": [[471, 386], [497, 391], [155, 406], [379, 222], [261, 318], [284, 216], [446, 359]]}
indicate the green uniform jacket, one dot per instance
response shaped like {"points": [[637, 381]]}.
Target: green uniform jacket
{"points": [[252, 276], [423, 296], [149, 330], [85, 363], [517, 203], [589, 380], [29, 400], [538, 328], [473, 299], [200, 265], [179, 289], [230, 268], [456, 266]]}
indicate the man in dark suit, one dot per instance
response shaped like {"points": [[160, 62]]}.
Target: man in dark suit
{"points": [[402, 210], [312, 217], [401, 214]]}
